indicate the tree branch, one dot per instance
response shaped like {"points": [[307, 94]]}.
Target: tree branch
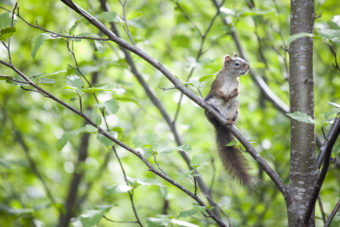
{"points": [[112, 138], [271, 173], [157, 103], [332, 137], [336, 208], [332, 132]]}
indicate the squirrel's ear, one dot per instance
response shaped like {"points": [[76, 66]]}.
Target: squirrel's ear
{"points": [[235, 55], [227, 59]]}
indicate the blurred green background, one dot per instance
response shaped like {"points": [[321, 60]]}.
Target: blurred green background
{"points": [[33, 127]]}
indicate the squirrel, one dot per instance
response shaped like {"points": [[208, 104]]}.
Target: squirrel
{"points": [[223, 97]]}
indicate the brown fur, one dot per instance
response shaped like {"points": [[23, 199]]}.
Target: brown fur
{"points": [[231, 157], [223, 97]]}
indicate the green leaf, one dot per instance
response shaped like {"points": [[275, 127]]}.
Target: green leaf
{"points": [[106, 141], [329, 34], [94, 89], [137, 182], [36, 44], [199, 208], [14, 211], [96, 117], [127, 99], [46, 81], [133, 14], [302, 117], [336, 105], [92, 217], [74, 26], [232, 143], [297, 36], [182, 223], [118, 189], [158, 222], [205, 77], [109, 17], [150, 139], [89, 129], [336, 149], [75, 82], [336, 20], [68, 135], [246, 13], [4, 163], [65, 138], [184, 148], [163, 221], [198, 160], [111, 106], [55, 73], [7, 33], [6, 20], [187, 213]]}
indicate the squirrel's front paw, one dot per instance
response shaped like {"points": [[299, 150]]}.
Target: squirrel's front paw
{"points": [[234, 92], [230, 121]]}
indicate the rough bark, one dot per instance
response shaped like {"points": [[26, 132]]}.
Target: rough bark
{"points": [[303, 169]]}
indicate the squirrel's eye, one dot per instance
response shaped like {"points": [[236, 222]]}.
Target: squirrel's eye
{"points": [[237, 64]]}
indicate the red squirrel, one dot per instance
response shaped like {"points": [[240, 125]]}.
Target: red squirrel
{"points": [[223, 97]]}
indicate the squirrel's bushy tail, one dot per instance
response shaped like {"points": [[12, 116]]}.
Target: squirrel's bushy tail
{"points": [[232, 157]]}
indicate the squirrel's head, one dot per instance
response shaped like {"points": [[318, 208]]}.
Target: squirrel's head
{"points": [[235, 65]]}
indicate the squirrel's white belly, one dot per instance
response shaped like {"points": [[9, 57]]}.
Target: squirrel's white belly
{"points": [[219, 104]]}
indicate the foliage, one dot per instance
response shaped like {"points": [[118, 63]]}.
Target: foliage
{"points": [[39, 135]]}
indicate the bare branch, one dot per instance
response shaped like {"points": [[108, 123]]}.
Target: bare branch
{"points": [[54, 34], [336, 208], [321, 210], [126, 27], [332, 49], [335, 127], [12, 79], [332, 137]]}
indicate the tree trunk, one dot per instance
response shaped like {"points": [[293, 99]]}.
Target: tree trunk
{"points": [[303, 169]]}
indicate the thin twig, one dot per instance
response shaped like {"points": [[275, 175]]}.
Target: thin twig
{"points": [[126, 27], [159, 167], [198, 56], [186, 16], [322, 210], [322, 153], [334, 211], [123, 222], [332, 137], [332, 49], [56, 35], [12, 79], [9, 39]]}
